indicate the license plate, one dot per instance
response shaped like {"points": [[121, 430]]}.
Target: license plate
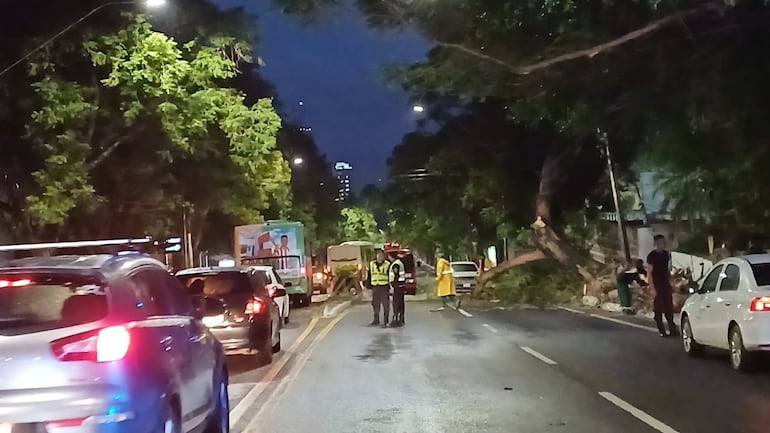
{"points": [[466, 285]]}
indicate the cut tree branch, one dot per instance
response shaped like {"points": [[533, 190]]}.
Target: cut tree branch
{"points": [[590, 52]]}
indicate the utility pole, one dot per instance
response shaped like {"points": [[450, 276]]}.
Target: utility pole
{"points": [[615, 197], [189, 258]]}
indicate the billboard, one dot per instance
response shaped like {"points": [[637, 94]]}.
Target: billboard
{"points": [[276, 245]]}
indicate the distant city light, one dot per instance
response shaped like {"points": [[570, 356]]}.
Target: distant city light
{"points": [[301, 103]]}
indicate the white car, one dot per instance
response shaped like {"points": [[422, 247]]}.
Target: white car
{"points": [[731, 310], [274, 283], [466, 275]]}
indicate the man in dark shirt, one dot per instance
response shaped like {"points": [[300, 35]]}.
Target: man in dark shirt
{"points": [[659, 260]]}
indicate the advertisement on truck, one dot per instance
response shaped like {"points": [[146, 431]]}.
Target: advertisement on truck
{"points": [[280, 244]]}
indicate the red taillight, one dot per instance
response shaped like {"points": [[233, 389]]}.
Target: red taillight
{"points": [[16, 283], [254, 306], [65, 423], [760, 304], [102, 345]]}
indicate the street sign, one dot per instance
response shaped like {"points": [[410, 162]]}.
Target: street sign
{"points": [[173, 245]]}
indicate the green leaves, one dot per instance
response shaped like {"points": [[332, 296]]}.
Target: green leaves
{"points": [[145, 86], [358, 224]]}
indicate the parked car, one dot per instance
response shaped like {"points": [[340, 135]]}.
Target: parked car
{"points": [[466, 276], [238, 309], [276, 288], [731, 311], [105, 343]]}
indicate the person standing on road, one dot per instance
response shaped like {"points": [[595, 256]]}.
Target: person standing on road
{"points": [[397, 278], [445, 287], [377, 281], [659, 260]]}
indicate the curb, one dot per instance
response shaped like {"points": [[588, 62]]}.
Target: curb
{"points": [[331, 310]]}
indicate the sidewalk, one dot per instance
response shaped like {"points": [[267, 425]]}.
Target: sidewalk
{"points": [[640, 320]]}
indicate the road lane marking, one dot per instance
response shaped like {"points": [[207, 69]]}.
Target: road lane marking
{"points": [[273, 400], [464, 313], [637, 413], [490, 328], [240, 409], [623, 322], [572, 310], [538, 355]]}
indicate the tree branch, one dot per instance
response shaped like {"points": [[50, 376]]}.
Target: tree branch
{"points": [[590, 52], [112, 147]]}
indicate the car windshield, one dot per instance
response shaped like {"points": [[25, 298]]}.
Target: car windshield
{"points": [[35, 303], [761, 273], [464, 267], [217, 284]]}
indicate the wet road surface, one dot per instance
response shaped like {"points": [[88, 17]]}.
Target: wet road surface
{"points": [[527, 371]]}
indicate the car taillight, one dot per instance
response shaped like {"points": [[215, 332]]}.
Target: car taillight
{"points": [[760, 304], [319, 275], [254, 306], [16, 283], [101, 345]]}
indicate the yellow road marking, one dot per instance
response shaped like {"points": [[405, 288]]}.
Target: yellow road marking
{"points": [[296, 369], [240, 409]]}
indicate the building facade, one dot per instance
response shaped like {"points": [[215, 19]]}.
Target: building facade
{"points": [[342, 170]]}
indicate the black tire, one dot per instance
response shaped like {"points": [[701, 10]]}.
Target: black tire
{"points": [[265, 354], [277, 346], [220, 418], [740, 359], [307, 299], [691, 347], [170, 420]]}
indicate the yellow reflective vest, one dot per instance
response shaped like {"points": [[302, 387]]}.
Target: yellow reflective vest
{"points": [[401, 277], [378, 273]]}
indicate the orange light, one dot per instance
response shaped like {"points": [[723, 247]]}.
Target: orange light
{"points": [[255, 306], [760, 304]]}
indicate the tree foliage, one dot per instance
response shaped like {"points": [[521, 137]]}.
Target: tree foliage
{"points": [[358, 224]]}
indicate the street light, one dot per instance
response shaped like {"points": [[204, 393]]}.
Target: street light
{"points": [[298, 161], [418, 108], [151, 4]]}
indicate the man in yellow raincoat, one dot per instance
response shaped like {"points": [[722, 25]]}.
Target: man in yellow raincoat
{"points": [[445, 287]]}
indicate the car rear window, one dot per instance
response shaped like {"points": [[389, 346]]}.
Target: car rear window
{"points": [[218, 284], [761, 273], [35, 303], [464, 267]]}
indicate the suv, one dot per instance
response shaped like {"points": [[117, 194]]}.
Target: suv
{"points": [[238, 309], [105, 343]]}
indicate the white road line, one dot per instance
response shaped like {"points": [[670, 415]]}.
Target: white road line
{"points": [[490, 328], [572, 310], [538, 355], [637, 413], [464, 313], [624, 323]]}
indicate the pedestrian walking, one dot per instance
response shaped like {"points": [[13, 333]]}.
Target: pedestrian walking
{"points": [[377, 281], [659, 260], [445, 287], [397, 278]]}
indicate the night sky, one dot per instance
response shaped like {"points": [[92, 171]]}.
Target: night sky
{"points": [[333, 67]]}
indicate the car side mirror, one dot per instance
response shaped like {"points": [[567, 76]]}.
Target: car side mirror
{"points": [[277, 293], [287, 284]]}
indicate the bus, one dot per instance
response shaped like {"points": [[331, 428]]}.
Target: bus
{"points": [[353, 253]]}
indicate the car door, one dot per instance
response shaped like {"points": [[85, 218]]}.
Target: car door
{"points": [[724, 304], [283, 301], [172, 332], [260, 281], [701, 317], [201, 346]]}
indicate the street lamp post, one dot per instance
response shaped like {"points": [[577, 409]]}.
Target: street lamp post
{"points": [[147, 3], [615, 196]]}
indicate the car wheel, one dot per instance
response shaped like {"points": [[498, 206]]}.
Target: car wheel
{"points": [[277, 346], [691, 347], [170, 421], [220, 418], [740, 359], [265, 355]]}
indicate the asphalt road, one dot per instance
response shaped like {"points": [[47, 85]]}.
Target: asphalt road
{"points": [[524, 371]]}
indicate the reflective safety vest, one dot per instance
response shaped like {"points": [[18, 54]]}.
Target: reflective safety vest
{"points": [[401, 277], [379, 273]]}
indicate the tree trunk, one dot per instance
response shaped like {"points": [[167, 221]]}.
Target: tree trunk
{"points": [[530, 256]]}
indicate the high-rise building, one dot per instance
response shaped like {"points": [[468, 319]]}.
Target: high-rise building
{"points": [[342, 169]]}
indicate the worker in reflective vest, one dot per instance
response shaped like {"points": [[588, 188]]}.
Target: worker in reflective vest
{"points": [[378, 283], [397, 278]]}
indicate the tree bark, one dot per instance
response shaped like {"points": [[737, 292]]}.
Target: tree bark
{"points": [[528, 257]]}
